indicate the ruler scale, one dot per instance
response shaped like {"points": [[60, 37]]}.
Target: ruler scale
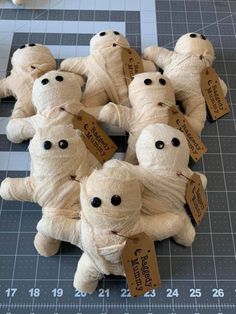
{"points": [[201, 279]]}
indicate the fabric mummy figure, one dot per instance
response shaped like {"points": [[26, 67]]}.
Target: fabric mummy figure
{"points": [[111, 202], [183, 66], [51, 92], [104, 69], [59, 159], [150, 95], [163, 156], [28, 62]]}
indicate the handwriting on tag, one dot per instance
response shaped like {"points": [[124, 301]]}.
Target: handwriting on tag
{"points": [[96, 140], [132, 64], [213, 93], [177, 120], [140, 264], [196, 198]]}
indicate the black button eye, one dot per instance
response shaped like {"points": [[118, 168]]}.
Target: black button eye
{"points": [[193, 35], [116, 33], [114, 45], [22, 47], [116, 200], [147, 81], [159, 145], [63, 144], [31, 45], [96, 202], [203, 37], [47, 145], [45, 81], [59, 78], [175, 142], [102, 34], [162, 81]]}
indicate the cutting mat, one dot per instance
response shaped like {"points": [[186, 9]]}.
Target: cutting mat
{"points": [[201, 279]]}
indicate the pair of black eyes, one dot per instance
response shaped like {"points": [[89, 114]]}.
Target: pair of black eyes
{"points": [[97, 202], [58, 78], [30, 45], [63, 144], [104, 33], [160, 144], [149, 81], [194, 36]]}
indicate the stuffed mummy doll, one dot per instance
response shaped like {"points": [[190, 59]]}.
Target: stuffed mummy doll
{"points": [[150, 95], [111, 202], [60, 159], [163, 156], [183, 66], [104, 69], [28, 62], [51, 93]]}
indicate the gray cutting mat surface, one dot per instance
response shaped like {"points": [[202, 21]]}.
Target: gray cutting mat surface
{"points": [[201, 279]]}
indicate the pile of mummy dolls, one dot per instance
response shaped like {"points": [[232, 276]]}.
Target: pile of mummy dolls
{"points": [[83, 202]]}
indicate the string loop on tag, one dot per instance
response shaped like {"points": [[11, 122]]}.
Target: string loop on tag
{"points": [[162, 104], [129, 77], [78, 117], [116, 42], [174, 110], [121, 235], [179, 173], [34, 67], [74, 178], [63, 109], [40, 69]]}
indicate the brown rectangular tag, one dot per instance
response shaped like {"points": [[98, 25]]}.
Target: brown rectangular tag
{"points": [[96, 140], [140, 264], [196, 198], [213, 93], [132, 64], [177, 120]]}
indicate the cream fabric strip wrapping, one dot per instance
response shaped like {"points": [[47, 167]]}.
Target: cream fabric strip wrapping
{"points": [[93, 232], [183, 66], [51, 92], [20, 82], [111, 200], [162, 151], [104, 70], [59, 160], [151, 94]]}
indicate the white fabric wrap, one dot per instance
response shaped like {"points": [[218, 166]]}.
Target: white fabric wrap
{"points": [[184, 72], [20, 82], [97, 63], [167, 189]]}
